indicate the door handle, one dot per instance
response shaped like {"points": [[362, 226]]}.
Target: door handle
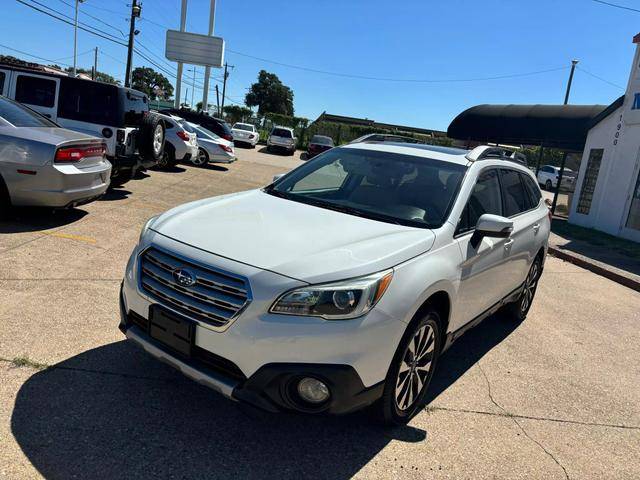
{"points": [[536, 227], [508, 244]]}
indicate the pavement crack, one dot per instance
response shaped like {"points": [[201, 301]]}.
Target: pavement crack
{"points": [[515, 420]]}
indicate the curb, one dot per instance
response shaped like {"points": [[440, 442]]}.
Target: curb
{"points": [[597, 269]]}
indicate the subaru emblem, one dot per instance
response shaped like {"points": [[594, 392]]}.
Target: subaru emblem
{"points": [[184, 277]]}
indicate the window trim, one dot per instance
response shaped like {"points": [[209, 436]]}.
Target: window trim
{"points": [[525, 191]]}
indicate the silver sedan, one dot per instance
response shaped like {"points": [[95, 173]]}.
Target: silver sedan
{"points": [[42, 164]]}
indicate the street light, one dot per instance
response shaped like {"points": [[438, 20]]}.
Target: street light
{"points": [[75, 37]]}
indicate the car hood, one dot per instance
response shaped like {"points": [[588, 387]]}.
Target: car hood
{"points": [[301, 241]]}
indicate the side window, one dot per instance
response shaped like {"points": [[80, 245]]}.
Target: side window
{"points": [[485, 198], [36, 91], [1, 82], [532, 190], [516, 200]]}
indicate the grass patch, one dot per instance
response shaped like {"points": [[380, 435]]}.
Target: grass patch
{"points": [[27, 362], [596, 238]]}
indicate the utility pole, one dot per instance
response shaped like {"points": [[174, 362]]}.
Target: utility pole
{"points": [[135, 13], [94, 74], [565, 154], [573, 69], [183, 23], [224, 85], [207, 70], [75, 37], [217, 101], [193, 85], [186, 94]]}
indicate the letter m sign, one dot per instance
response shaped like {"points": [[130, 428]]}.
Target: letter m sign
{"points": [[636, 102]]}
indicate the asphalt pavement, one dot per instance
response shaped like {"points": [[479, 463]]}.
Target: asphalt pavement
{"points": [[557, 396]]}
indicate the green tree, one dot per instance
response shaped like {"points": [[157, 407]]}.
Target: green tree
{"points": [[154, 84], [270, 95], [100, 76], [237, 113]]}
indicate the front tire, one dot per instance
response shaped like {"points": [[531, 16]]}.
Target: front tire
{"points": [[548, 185], [408, 378]]}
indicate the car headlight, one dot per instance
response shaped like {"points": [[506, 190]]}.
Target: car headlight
{"points": [[146, 228], [335, 301]]}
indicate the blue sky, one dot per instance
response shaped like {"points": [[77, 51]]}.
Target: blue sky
{"points": [[411, 39]]}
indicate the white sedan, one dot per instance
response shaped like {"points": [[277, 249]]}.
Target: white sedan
{"points": [[211, 147], [245, 133]]}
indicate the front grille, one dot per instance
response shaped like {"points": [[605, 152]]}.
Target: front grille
{"points": [[216, 297]]}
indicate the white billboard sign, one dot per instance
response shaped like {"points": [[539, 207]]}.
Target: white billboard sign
{"points": [[194, 49]]}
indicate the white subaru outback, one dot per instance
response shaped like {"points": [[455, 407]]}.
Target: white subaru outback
{"points": [[340, 284]]}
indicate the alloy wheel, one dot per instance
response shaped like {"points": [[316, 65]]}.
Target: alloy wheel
{"points": [[530, 285], [158, 135], [201, 158], [415, 367]]}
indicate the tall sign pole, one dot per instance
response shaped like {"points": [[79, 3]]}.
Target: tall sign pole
{"points": [[207, 71], [75, 39], [183, 24]]}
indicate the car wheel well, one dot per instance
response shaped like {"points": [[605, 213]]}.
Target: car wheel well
{"points": [[441, 302]]}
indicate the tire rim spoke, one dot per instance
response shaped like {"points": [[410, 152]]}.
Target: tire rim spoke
{"points": [[415, 367]]}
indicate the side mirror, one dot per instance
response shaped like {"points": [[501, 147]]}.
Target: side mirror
{"points": [[278, 177], [493, 226]]}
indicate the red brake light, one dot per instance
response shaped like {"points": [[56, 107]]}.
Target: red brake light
{"points": [[225, 148], [76, 153], [228, 137], [183, 135]]}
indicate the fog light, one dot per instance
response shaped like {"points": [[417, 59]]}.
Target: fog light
{"points": [[312, 390]]}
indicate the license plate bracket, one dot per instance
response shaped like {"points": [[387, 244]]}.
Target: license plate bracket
{"points": [[172, 330]]}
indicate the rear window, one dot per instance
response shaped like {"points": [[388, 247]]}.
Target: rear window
{"points": [[243, 126], [90, 102], [21, 116], [321, 140], [36, 91], [281, 132]]}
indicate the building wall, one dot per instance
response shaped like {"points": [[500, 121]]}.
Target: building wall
{"points": [[619, 136]]}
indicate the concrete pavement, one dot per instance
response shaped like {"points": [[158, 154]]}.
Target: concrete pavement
{"points": [[557, 396]]}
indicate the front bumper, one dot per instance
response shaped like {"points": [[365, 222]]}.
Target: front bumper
{"points": [[258, 354]]}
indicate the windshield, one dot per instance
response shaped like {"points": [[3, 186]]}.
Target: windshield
{"points": [[21, 116], [243, 126], [389, 187], [321, 140], [281, 132]]}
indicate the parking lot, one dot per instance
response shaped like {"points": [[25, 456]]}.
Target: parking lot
{"points": [[555, 397]]}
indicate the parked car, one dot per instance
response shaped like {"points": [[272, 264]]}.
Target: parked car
{"points": [[215, 125], [212, 148], [412, 246], [548, 176], [282, 138], [384, 137], [44, 165], [245, 133], [133, 136], [181, 142], [318, 144]]}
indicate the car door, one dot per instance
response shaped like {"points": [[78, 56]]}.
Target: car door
{"points": [[483, 268], [517, 206], [38, 92]]}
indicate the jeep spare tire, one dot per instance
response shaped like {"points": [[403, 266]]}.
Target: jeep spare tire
{"points": [[152, 133]]}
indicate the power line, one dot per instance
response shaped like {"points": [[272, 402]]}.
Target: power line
{"points": [[617, 6], [600, 78], [95, 18], [34, 56], [405, 80]]}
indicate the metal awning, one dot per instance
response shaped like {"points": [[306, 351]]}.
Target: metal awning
{"points": [[556, 126]]}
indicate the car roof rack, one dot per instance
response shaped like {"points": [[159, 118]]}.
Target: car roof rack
{"points": [[487, 152]]}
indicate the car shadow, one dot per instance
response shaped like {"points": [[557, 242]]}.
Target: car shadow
{"points": [[34, 219], [114, 412], [172, 169], [468, 350], [215, 167], [115, 194]]}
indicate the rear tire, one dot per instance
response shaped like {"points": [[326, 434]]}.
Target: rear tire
{"points": [[519, 309], [408, 378], [548, 185], [152, 137], [120, 178], [168, 158], [202, 159], [5, 198]]}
